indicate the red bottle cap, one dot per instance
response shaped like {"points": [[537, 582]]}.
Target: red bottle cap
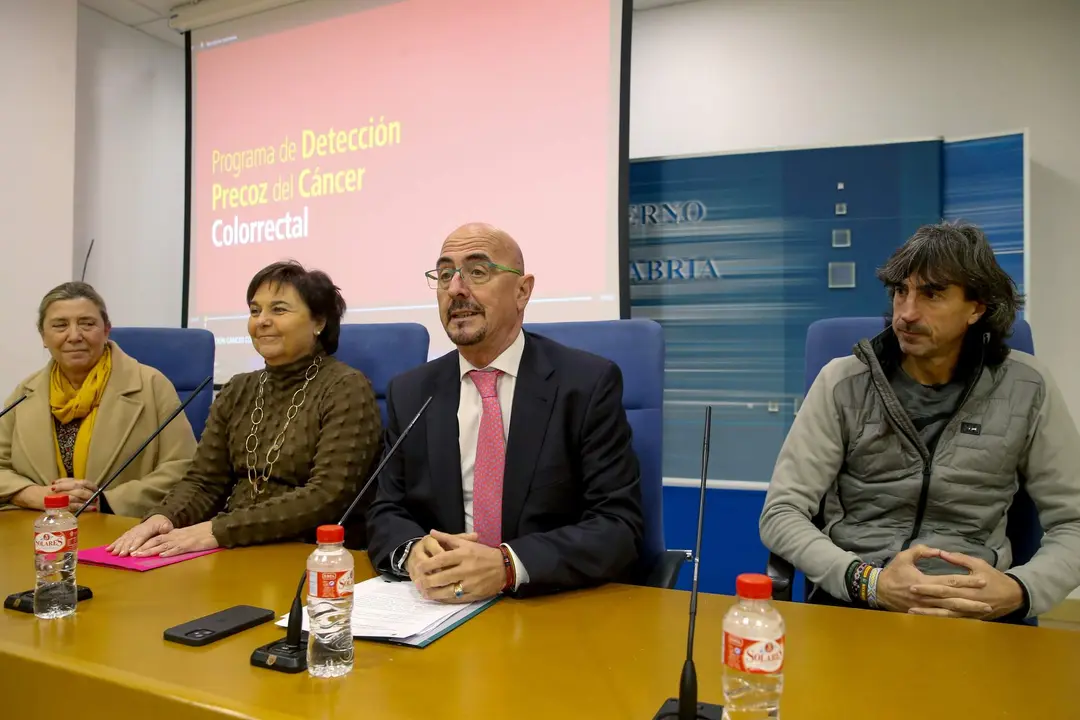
{"points": [[53, 502], [330, 534], [753, 586]]}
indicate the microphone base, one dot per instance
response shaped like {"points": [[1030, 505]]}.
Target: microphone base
{"points": [[705, 711], [282, 656], [24, 601]]}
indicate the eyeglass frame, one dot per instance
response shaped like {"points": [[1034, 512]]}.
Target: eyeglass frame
{"points": [[460, 271]]}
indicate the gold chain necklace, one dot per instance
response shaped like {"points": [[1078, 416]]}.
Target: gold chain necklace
{"points": [[257, 480]]}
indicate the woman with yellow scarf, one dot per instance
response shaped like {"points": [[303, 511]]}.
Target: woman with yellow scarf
{"points": [[85, 412]]}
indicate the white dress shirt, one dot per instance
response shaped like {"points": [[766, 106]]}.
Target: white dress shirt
{"points": [[470, 410]]}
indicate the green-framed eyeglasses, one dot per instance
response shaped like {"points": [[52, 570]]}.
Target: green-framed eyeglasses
{"points": [[472, 273]]}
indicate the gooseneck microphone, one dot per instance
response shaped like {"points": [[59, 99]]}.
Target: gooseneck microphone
{"points": [[687, 707], [24, 601], [290, 655], [131, 458], [11, 407]]}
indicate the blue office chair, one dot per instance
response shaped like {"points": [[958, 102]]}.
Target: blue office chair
{"points": [[381, 351], [184, 355], [637, 347], [836, 337]]}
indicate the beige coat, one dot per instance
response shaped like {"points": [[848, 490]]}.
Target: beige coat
{"points": [[136, 401]]}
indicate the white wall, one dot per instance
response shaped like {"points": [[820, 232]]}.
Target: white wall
{"points": [[129, 170], [723, 75], [37, 124]]}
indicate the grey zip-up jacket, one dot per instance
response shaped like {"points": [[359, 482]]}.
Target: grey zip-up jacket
{"points": [[852, 440]]}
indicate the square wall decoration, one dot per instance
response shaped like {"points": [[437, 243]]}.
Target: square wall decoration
{"points": [[841, 275]]}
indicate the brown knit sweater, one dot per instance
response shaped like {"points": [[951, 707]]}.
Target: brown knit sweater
{"points": [[328, 450]]}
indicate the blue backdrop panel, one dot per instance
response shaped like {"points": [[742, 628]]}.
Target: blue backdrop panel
{"points": [[984, 184], [735, 255], [729, 542], [732, 254]]}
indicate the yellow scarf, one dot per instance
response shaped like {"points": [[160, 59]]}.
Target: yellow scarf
{"points": [[69, 404]]}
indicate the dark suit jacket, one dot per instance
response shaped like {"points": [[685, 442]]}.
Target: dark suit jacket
{"points": [[571, 488]]}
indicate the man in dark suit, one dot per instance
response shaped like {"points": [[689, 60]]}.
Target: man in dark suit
{"points": [[473, 504]]}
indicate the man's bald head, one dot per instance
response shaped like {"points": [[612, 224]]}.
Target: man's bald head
{"points": [[483, 308], [501, 246]]}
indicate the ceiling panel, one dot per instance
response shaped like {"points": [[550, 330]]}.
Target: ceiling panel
{"points": [[161, 30], [161, 7], [128, 12], [151, 16]]}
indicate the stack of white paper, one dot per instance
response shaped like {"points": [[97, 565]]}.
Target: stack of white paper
{"points": [[396, 611]]}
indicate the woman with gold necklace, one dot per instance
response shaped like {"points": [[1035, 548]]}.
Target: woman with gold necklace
{"points": [[285, 448], [85, 413]]}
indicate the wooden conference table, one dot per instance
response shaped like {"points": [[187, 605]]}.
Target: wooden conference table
{"points": [[611, 652]]}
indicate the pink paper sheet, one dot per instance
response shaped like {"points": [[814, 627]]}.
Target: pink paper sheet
{"points": [[101, 556]]}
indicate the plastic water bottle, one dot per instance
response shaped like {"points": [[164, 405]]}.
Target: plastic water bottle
{"points": [[330, 604], [753, 652], [56, 544]]}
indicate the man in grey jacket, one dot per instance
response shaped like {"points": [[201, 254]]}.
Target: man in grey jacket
{"points": [[918, 443]]}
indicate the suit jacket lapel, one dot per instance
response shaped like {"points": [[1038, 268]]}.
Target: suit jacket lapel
{"points": [[534, 394], [120, 409], [444, 457], [39, 445]]}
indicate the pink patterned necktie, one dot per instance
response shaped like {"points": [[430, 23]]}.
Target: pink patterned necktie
{"points": [[490, 461]]}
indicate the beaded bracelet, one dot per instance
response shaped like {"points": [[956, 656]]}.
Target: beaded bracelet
{"points": [[864, 581], [858, 579], [508, 563], [854, 579], [871, 592], [851, 579]]}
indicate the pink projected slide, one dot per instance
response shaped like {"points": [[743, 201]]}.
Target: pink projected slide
{"points": [[356, 144]]}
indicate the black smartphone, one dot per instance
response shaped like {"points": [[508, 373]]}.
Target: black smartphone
{"points": [[24, 601], [220, 625]]}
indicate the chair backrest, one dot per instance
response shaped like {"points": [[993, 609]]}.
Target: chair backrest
{"points": [[835, 337], [184, 355], [637, 347], [381, 351]]}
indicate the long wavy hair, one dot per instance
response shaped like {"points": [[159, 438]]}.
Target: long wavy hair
{"points": [[958, 253]]}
